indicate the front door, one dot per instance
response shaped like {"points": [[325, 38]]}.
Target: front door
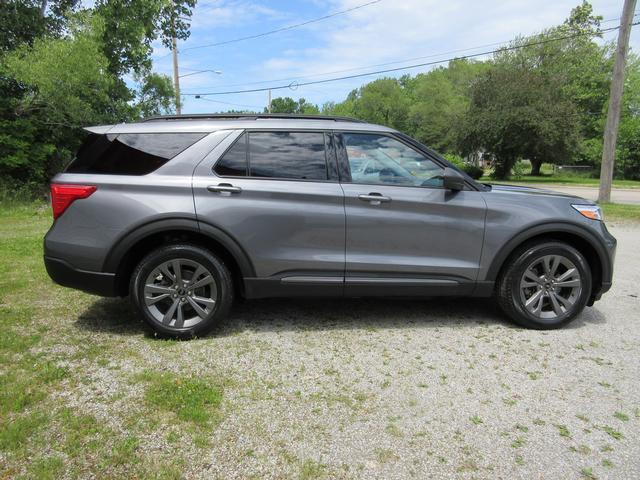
{"points": [[406, 234]]}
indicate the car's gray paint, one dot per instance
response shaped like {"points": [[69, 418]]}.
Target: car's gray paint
{"points": [[300, 237]]}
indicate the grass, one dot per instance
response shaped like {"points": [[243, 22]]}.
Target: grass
{"points": [[192, 399], [574, 180], [45, 354], [82, 395], [618, 211]]}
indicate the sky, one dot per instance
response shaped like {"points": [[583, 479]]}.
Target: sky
{"points": [[383, 34]]}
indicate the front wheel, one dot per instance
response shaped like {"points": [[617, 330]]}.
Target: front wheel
{"points": [[181, 290], [545, 285]]}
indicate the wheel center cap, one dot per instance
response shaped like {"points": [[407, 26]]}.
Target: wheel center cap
{"points": [[181, 291]]}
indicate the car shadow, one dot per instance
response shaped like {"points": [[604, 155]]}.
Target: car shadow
{"points": [[117, 315]]}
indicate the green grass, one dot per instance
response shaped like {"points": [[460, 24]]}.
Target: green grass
{"points": [[574, 180], [618, 211], [193, 400], [45, 353]]}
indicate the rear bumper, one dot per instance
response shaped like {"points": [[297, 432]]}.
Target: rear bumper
{"points": [[64, 274]]}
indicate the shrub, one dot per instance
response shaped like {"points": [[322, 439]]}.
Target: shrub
{"points": [[468, 168]]}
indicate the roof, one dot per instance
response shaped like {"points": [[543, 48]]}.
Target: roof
{"points": [[213, 122]]}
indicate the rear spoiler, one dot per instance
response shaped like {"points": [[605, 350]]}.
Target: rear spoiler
{"points": [[99, 129]]}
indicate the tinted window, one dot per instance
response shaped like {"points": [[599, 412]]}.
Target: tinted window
{"points": [[298, 155], [234, 162], [129, 153], [384, 160]]}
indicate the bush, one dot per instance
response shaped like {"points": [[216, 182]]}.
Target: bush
{"points": [[473, 171], [468, 168]]}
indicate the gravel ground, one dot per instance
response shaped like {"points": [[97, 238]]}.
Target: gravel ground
{"points": [[398, 389]]}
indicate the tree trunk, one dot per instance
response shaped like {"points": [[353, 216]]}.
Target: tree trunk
{"points": [[535, 167], [43, 7]]}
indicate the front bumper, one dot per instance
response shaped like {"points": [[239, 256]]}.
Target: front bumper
{"points": [[65, 274]]}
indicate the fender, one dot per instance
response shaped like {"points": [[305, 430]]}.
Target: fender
{"points": [[140, 232], [550, 228]]}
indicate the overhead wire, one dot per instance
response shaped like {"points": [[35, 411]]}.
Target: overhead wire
{"points": [[407, 67], [277, 30]]}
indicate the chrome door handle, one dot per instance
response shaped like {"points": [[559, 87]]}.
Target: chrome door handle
{"points": [[374, 198], [224, 187]]}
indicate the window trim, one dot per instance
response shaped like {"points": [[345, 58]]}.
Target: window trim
{"points": [[329, 156], [345, 169]]}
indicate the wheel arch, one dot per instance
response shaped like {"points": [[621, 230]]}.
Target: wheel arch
{"points": [[132, 247], [578, 237]]}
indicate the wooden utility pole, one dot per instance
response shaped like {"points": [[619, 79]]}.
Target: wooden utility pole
{"points": [[176, 76], [615, 102], [176, 73], [269, 102]]}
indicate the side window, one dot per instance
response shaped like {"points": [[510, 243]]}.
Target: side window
{"points": [[378, 159], [297, 155], [130, 153], [234, 162]]}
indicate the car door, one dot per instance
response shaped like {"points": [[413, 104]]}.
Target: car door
{"points": [[276, 193], [405, 233]]}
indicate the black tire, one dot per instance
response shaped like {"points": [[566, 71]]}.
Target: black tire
{"points": [[512, 295], [214, 298]]}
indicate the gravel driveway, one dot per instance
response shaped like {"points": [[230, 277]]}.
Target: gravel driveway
{"points": [[399, 389]]}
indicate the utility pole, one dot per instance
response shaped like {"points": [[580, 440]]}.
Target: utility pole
{"points": [[615, 102], [269, 102], [176, 76]]}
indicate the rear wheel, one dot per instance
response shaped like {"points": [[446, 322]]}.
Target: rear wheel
{"points": [[545, 285], [182, 290]]}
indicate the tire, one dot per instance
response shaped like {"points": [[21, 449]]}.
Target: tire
{"points": [[185, 305], [544, 285]]}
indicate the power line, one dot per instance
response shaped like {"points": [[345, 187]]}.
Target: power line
{"points": [[425, 64], [396, 62], [228, 103], [278, 30]]}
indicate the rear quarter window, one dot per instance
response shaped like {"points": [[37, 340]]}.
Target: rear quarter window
{"points": [[130, 153]]}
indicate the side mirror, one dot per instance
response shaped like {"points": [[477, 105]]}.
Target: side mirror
{"points": [[452, 179]]}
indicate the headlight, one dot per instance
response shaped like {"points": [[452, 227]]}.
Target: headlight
{"points": [[592, 212]]}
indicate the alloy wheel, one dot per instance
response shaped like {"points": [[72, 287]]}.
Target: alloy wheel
{"points": [[550, 286], [180, 293]]}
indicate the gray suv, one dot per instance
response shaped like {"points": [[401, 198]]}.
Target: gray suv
{"points": [[185, 213]]}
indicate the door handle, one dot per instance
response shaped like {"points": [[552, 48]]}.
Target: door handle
{"points": [[224, 188], [374, 198]]}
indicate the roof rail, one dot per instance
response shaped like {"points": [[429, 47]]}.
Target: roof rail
{"points": [[249, 116]]}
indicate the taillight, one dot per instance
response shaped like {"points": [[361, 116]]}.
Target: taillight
{"points": [[64, 195]]}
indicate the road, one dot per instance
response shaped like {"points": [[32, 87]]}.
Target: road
{"points": [[618, 195]]}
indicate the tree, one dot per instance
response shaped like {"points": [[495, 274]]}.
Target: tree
{"points": [[577, 65], [382, 101], [155, 95], [289, 105], [59, 85], [519, 112], [439, 101], [22, 21], [130, 26]]}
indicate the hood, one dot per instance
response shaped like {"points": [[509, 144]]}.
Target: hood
{"points": [[519, 189]]}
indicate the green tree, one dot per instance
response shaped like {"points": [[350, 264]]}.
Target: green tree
{"points": [[382, 101], [519, 112], [130, 27], [569, 57], [59, 85], [439, 102], [155, 95], [289, 105]]}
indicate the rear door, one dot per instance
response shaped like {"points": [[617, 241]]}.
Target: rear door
{"points": [[406, 234], [276, 193]]}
